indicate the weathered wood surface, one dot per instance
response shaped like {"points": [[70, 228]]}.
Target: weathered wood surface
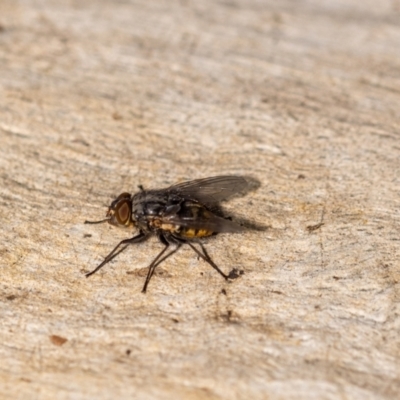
{"points": [[100, 96]]}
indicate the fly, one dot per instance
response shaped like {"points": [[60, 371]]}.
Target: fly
{"points": [[180, 214]]}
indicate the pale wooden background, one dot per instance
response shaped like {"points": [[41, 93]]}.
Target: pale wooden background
{"points": [[97, 97]]}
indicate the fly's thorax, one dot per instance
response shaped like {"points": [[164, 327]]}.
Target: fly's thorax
{"points": [[159, 224], [148, 205]]}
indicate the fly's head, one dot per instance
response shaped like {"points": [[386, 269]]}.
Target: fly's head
{"points": [[120, 211]]}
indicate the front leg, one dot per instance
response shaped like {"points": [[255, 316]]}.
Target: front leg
{"points": [[136, 239]]}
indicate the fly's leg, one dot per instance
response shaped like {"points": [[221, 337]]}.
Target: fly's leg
{"points": [[157, 261], [136, 239], [207, 258]]}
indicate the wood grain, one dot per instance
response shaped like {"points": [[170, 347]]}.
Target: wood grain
{"points": [[97, 97]]}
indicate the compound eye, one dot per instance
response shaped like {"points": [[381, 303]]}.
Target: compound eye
{"points": [[122, 196], [123, 212]]}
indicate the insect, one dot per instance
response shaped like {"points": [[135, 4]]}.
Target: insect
{"points": [[180, 214]]}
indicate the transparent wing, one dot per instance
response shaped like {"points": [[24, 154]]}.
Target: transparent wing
{"points": [[210, 190], [211, 223]]}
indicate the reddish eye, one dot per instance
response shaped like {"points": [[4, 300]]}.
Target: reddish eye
{"points": [[122, 196], [123, 212]]}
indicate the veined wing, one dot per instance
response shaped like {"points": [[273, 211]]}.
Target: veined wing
{"points": [[212, 223], [210, 190]]}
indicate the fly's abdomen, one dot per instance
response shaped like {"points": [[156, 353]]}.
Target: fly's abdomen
{"points": [[196, 218], [191, 233]]}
